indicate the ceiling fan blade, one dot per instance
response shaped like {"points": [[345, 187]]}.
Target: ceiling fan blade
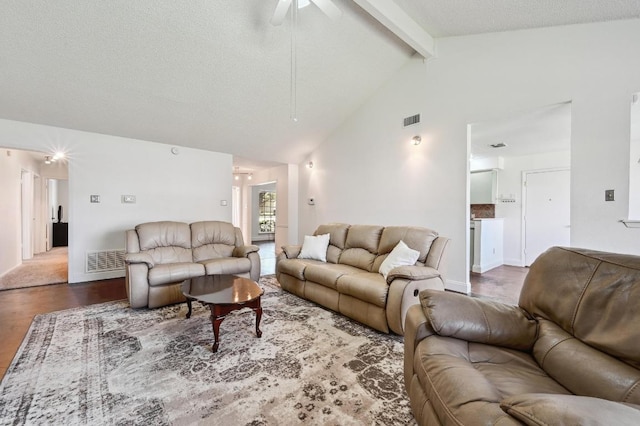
{"points": [[330, 9], [281, 11]]}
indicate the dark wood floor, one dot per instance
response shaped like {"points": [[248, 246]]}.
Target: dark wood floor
{"points": [[18, 307]]}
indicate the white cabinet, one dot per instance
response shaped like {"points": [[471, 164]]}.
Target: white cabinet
{"points": [[484, 187], [487, 245]]}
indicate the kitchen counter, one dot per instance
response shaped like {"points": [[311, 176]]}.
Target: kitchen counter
{"points": [[487, 244]]}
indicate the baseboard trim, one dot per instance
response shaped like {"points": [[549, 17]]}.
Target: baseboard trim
{"points": [[458, 286]]}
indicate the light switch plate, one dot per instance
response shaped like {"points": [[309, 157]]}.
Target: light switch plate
{"points": [[223, 202], [94, 198], [129, 199]]}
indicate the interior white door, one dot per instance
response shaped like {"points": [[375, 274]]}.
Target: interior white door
{"points": [[547, 212]]}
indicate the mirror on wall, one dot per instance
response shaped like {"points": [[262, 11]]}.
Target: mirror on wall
{"points": [[634, 159]]}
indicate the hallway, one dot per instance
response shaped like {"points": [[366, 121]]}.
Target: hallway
{"points": [[44, 269]]}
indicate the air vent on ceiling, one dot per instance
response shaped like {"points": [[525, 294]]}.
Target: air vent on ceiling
{"points": [[105, 260], [498, 145], [410, 121]]}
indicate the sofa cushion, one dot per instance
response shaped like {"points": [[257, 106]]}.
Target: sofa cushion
{"points": [[545, 409], [401, 255], [296, 267], [417, 238], [361, 246], [227, 265], [338, 232], [315, 247], [212, 240], [466, 381], [328, 274], [169, 273], [152, 235], [369, 287], [165, 242], [582, 369], [591, 282]]}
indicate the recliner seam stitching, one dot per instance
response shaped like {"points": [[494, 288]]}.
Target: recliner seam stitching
{"points": [[582, 293], [630, 391]]}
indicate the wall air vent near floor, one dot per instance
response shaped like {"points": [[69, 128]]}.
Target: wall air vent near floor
{"points": [[410, 121], [106, 260]]}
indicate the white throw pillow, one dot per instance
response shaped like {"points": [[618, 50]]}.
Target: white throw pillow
{"points": [[401, 255], [315, 247]]}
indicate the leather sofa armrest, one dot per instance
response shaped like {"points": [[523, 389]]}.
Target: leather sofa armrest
{"points": [[243, 251], [545, 409], [478, 320], [416, 328], [412, 273], [291, 252], [131, 258]]}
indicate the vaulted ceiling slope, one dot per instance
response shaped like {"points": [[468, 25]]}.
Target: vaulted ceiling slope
{"points": [[216, 75]]}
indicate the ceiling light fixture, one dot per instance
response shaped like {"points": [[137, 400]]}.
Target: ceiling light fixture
{"points": [[416, 140]]}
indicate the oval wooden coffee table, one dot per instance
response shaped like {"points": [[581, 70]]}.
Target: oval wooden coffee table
{"points": [[224, 294]]}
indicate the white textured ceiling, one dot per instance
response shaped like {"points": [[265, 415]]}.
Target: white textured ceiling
{"points": [[446, 18], [215, 75], [545, 129]]}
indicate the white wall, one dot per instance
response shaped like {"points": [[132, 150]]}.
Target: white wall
{"points": [[510, 182], [367, 172], [12, 162], [185, 187]]}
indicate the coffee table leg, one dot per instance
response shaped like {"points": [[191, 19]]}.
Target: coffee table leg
{"points": [[189, 305], [216, 321], [258, 317]]}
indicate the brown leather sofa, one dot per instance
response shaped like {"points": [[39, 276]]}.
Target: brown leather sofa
{"points": [[568, 354], [162, 255], [349, 282]]}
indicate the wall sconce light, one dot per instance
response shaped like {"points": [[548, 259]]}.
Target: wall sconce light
{"points": [[47, 160], [250, 176], [310, 165], [416, 140]]}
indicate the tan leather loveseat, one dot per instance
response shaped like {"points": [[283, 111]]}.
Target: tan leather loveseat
{"points": [[569, 354], [162, 255], [349, 281]]}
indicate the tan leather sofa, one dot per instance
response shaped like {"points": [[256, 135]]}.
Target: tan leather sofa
{"points": [[569, 354], [162, 255], [349, 282]]}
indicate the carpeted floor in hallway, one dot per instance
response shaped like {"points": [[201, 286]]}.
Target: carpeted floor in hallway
{"points": [[43, 269]]}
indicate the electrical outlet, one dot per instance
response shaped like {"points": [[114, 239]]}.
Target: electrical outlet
{"points": [[609, 195], [128, 199]]}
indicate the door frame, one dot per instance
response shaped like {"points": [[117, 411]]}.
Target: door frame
{"points": [[525, 174]]}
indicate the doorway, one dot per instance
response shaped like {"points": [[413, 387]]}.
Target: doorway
{"points": [[546, 213], [538, 140], [27, 259]]}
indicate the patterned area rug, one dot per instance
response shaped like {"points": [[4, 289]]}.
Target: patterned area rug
{"points": [[109, 364]]}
